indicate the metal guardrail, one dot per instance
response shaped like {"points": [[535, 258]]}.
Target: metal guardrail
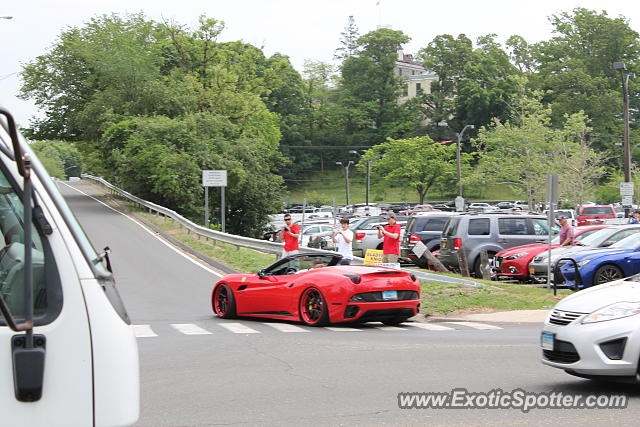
{"points": [[248, 242]]}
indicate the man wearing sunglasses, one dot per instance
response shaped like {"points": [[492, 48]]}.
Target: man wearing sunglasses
{"points": [[290, 234]]}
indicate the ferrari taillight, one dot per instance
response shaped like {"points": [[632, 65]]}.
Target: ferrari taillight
{"points": [[457, 243], [360, 236], [414, 238]]}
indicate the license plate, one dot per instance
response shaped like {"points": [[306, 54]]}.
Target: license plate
{"points": [[389, 295], [443, 244], [547, 340], [496, 263]]}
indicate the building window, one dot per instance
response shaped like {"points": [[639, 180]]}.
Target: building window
{"points": [[399, 71], [418, 88], [405, 90]]}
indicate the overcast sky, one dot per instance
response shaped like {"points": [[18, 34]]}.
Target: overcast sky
{"points": [[301, 29]]}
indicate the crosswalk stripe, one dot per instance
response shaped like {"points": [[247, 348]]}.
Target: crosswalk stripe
{"points": [[429, 326], [143, 331], [475, 325], [391, 328], [345, 329], [190, 329], [239, 328], [285, 327]]}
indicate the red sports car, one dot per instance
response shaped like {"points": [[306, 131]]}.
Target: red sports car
{"points": [[513, 263], [316, 290]]}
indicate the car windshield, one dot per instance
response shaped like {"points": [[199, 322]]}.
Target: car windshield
{"points": [[629, 242], [298, 263], [598, 237], [601, 210]]}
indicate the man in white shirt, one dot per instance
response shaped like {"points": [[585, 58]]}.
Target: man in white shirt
{"points": [[342, 238]]}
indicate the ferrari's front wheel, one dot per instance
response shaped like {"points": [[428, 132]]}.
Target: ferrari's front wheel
{"points": [[313, 308], [223, 302]]}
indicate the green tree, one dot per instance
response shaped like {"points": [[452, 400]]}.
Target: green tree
{"points": [[522, 151], [61, 159], [575, 69], [370, 90], [417, 162], [348, 41]]}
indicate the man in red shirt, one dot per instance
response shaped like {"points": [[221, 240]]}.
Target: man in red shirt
{"points": [[391, 242], [290, 234]]}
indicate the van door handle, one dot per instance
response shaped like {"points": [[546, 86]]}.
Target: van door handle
{"points": [[502, 240]]}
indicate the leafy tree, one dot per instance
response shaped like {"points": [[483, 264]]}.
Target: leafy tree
{"points": [[60, 158], [522, 151], [575, 69], [417, 162], [473, 86], [348, 41], [370, 90], [446, 56]]}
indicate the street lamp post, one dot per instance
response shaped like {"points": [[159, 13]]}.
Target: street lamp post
{"points": [[458, 163], [346, 176], [626, 147], [368, 187]]}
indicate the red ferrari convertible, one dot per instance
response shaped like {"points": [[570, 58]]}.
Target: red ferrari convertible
{"points": [[316, 290]]}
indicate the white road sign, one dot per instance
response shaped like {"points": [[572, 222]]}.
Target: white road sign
{"points": [[626, 188], [215, 178]]}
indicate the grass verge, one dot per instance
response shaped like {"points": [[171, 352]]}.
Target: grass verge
{"points": [[445, 298], [241, 259]]}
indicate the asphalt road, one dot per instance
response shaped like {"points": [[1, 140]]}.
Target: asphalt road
{"points": [[198, 370]]}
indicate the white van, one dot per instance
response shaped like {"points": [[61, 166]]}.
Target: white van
{"points": [[68, 354]]}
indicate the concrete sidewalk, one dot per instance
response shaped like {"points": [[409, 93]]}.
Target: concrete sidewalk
{"points": [[515, 316]]}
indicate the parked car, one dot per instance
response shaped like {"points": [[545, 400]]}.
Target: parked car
{"points": [[366, 235], [589, 215], [481, 207], [505, 205], [491, 232], [602, 238], [447, 207], [417, 208], [423, 227], [514, 263], [601, 265], [595, 333], [310, 229]]}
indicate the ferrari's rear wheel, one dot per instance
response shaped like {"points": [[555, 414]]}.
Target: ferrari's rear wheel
{"points": [[223, 302], [313, 308]]}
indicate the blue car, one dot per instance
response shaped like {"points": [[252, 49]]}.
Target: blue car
{"points": [[601, 265]]}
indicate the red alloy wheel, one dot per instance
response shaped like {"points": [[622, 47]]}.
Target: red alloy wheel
{"points": [[313, 308]]}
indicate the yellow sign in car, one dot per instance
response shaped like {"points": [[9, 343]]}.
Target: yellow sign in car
{"points": [[373, 257]]}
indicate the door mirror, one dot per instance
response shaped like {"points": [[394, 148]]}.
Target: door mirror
{"points": [[261, 273]]}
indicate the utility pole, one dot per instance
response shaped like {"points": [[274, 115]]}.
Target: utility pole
{"points": [[626, 146]]}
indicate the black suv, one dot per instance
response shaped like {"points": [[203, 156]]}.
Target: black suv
{"points": [[423, 227]]}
